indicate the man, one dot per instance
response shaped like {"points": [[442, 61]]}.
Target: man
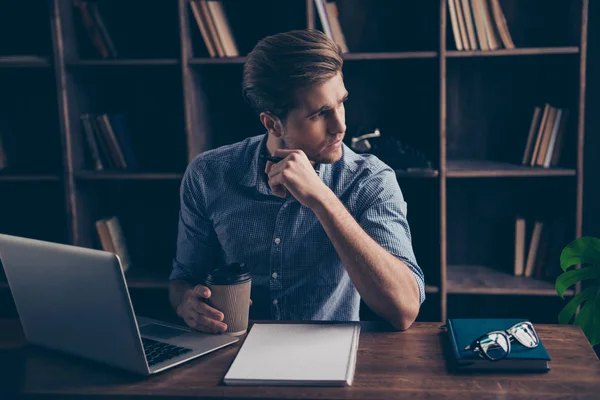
{"points": [[319, 229]]}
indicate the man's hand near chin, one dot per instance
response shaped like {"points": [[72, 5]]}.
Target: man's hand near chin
{"points": [[295, 174]]}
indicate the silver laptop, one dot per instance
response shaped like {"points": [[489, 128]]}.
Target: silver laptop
{"points": [[75, 300]]}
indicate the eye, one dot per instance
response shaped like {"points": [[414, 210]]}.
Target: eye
{"points": [[318, 115]]}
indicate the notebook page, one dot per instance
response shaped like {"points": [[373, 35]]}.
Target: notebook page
{"points": [[296, 352]]}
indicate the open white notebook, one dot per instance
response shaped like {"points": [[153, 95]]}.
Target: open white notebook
{"points": [[297, 354]]}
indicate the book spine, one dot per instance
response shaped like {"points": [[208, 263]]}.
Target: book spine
{"points": [[453, 340]]}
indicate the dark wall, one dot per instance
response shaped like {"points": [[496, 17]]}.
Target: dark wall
{"points": [[591, 188]]}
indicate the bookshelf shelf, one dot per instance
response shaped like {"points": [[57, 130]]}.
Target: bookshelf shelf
{"points": [[482, 280], [24, 62], [431, 289], [121, 176], [123, 62], [143, 280], [220, 60], [391, 55], [14, 177], [424, 173], [399, 55], [514, 52], [491, 169]]}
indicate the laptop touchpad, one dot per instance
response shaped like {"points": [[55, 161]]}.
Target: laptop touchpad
{"points": [[161, 331]]}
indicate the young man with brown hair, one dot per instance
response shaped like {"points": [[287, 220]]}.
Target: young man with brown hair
{"points": [[319, 229]]}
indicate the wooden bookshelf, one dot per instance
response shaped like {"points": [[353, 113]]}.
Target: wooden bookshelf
{"points": [[104, 175], [484, 168], [24, 62], [29, 177], [391, 55], [417, 173], [122, 63], [224, 60], [469, 111], [515, 52], [482, 280]]}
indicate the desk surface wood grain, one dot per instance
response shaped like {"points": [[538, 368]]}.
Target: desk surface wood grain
{"points": [[390, 365]]}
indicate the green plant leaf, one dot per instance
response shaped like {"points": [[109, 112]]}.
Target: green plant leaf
{"points": [[584, 250], [569, 310], [573, 276], [596, 323], [587, 318]]}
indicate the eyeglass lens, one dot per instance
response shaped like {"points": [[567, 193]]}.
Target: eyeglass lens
{"points": [[495, 345], [524, 334]]}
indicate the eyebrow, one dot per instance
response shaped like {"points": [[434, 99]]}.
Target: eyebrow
{"points": [[325, 108]]}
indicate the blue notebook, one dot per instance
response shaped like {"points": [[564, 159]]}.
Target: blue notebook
{"points": [[462, 332]]}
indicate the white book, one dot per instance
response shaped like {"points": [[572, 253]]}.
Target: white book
{"points": [[314, 354], [552, 143]]}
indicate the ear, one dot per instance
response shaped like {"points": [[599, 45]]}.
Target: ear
{"points": [[271, 123]]}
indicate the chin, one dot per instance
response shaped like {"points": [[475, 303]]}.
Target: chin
{"points": [[330, 158]]}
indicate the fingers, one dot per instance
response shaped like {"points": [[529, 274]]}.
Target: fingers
{"points": [[273, 169], [204, 309], [277, 186], [204, 324], [277, 168], [268, 167], [201, 291], [203, 317], [210, 325], [198, 314]]}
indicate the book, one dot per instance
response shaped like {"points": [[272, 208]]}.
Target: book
{"points": [[520, 240], [312, 354], [113, 240], [336, 28], [534, 245], [463, 331]]}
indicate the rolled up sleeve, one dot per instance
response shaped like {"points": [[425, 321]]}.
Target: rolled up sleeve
{"points": [[197, 244], [382, 214]]}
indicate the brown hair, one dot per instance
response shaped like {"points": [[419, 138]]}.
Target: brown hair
{"points": [[281, 64]]}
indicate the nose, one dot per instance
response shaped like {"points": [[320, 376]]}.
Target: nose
{"points": [[337, 122]]}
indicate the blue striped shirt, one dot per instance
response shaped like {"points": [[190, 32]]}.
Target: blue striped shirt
{"points": [[229, 214]]}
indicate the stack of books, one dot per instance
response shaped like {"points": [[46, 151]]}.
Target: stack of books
{"points": [[538, 247], [546, 136], [108, 142], [214, 27], [479, 25], [95, 28]]}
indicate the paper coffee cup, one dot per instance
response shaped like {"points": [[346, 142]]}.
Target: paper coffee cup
{"points": [[230, 293]]}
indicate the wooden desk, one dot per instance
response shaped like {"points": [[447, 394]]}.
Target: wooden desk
{"points": [[390, 365]]}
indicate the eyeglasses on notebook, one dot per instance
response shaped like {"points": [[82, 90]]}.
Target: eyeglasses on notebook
{"points": [[496, 345]]}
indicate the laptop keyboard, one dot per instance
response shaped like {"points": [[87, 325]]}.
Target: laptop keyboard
{"points": [[157, 352]]}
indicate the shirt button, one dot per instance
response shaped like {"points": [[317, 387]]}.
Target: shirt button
{"points": [[277, 241], [274, 275], [275, 301]]}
